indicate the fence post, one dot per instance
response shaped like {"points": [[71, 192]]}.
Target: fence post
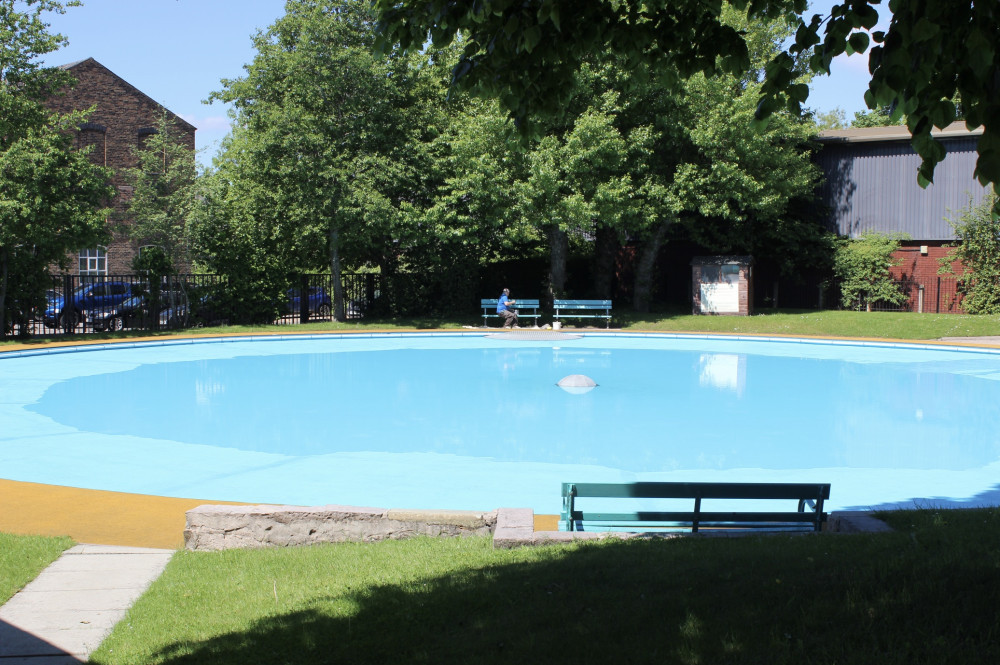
{"points": [[304, 299], [68, 322]]}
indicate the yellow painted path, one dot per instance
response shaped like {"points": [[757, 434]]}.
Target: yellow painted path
{"points": [[94, 516]]}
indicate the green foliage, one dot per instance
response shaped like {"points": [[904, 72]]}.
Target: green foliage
{"points": [[230, 242], [51, 196], [165, 194], [880, 117], [339, 158], [526, 54], [834, 119], [862, 267], [327, 152], [153, 260], [978, 253]]}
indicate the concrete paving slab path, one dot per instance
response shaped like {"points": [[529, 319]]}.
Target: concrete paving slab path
{"points": [[65, 613]]}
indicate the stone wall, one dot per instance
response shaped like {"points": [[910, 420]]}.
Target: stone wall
{"points": [[230, 527]]}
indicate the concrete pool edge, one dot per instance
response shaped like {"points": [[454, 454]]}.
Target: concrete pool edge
{"points": [[986, 343]]}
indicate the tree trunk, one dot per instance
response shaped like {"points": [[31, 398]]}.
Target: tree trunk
{"points": [[605, 251], [558, 249], [4, 258], [648, 252], [338, 285]]}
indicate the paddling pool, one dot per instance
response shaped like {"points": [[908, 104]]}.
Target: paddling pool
{"points": [[476, 421]]}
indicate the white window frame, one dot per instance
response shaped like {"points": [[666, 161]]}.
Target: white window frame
{"points": [[93, 262]]}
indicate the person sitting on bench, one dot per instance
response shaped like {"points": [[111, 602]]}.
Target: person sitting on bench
{"points": [[508, 315]]}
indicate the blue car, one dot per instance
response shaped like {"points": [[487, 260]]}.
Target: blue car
{"points": [[318, 301], [86, 302]]}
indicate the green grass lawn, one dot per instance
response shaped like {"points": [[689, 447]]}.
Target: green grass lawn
{"points": [[927, 593], [826, 323], [23, 557]]}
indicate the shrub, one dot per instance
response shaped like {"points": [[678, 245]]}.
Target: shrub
{"points": [[978, 252], [862, 265]]}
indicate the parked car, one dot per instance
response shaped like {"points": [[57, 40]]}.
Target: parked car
{"points": [[118, 317], [318, 301], [198, 312], [91, 298]]}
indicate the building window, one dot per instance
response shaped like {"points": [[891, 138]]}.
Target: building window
{"points": [[93, 262]]}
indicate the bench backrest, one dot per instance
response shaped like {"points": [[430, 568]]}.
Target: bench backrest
{"points": [[518, 302], [682, 490], [812, 494], [581, 304]]}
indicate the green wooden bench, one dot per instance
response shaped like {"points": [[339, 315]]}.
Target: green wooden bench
{"points": [[526, 308], [805, 494], [582, 309]]}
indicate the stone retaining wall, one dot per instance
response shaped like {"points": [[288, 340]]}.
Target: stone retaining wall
{"points": [[229, 527]]}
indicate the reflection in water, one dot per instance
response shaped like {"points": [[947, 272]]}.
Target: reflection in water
{"points": [[724, 370]]}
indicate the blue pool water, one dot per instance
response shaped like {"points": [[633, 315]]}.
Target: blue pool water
{"points": [[467, 421]]}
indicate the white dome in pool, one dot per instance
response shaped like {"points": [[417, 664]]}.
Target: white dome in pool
{"points": [[577, 384]]}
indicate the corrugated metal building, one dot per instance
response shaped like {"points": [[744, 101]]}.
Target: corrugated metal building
{"points": [[871, 181], [871, 184]]}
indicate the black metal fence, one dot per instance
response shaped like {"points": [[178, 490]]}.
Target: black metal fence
{"points": [[86, 304], [938, 295]]}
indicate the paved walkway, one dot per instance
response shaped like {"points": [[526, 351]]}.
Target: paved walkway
{"points": [[63, 615]]}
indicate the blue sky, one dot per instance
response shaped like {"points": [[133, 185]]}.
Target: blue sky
{"points": [[178, 51]]}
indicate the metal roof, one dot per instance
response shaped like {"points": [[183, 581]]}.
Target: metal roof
{"points": [[957, 129]]}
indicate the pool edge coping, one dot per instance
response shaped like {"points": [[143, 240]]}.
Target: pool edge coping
{"points": [[49, 348]]}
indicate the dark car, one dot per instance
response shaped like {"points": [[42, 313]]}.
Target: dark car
{"points": [[91, 298], [318, 301], [118, 317], [199, 311]]}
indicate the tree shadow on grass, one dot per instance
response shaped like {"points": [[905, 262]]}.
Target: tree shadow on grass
{"points": [[825, 599]]}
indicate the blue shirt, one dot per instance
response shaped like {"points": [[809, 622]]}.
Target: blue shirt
{"points": [[502, 304]]}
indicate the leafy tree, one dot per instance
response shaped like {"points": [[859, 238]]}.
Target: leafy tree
{"points": [[978, 253], [164, 194], [320, 146], [51, 196], [830, 119], [862, 266], [526, 53], [733, 187], [880, 117], [230, 239]]}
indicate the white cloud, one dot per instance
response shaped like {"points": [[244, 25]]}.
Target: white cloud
{"points": [[212, 123]]}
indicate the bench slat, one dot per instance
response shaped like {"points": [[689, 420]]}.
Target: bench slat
{"points": [[684, 490], [565, 309], [688, 517]]}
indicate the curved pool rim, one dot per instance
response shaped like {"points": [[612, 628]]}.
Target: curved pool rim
{"points": [[69, 348]]}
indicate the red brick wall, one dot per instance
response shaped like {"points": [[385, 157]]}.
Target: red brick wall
{"points": [[113, 129], [921, 269]]}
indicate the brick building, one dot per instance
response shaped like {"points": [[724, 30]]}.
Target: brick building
{"points": [[122, 119], [871, 184]]}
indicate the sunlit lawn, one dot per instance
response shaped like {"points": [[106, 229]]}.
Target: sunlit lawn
{"points": [[824, 323], [23, 557], [928, 593]]}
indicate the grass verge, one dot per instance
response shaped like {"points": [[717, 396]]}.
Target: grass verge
{"points": [[23, 557], [822, 323], [927, 593]]}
